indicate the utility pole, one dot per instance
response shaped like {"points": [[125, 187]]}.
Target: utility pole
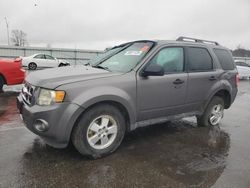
{"points": [[7, 26]]}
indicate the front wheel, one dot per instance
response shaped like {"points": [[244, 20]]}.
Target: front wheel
{"points": [[99, 132], [213, 113]]}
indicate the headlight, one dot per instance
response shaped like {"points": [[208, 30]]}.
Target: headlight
{"points": [[48, 97]]}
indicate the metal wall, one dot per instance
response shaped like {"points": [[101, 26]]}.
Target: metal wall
{"points": [[243, 59], [74, 56]]}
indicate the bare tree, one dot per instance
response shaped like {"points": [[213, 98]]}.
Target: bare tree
{"points": [[241, 52], [18, 37]]}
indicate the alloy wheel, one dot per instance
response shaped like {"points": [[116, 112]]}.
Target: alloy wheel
{"points": [[102, 132], [216, 114]]}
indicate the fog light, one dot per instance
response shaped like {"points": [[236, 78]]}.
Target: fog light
{"points": [[41, 125]]}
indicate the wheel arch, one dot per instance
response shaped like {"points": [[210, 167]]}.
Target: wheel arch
{"points": [[121, 107], [224, 94], [32, 62], [61, 64], [114, 103]]}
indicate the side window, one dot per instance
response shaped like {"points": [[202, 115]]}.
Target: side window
{"points": [[39, 56], [199, 60], [49, 57], [171, 59], [225, 59]]}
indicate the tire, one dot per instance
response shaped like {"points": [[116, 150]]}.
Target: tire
{"points": [[32, 66], [63, 65], [94, 144], [1, 84], [213, 113]]}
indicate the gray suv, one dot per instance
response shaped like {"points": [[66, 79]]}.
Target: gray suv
{"points": [[129, 86]]}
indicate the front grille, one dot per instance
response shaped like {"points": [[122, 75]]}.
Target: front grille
{"points": [[28, 93]]}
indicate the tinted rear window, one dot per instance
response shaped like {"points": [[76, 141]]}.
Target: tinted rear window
{"points": [[199, 59], [225, 59]]}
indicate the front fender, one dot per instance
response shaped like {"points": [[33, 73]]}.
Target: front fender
{"points": [[100, 94]]}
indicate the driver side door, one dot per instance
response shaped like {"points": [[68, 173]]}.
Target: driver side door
{"points": [[161, 96]]}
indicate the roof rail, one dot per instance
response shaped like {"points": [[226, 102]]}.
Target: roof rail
{"points": [[197, 40]]}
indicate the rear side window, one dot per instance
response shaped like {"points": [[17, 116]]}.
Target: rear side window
{"points": [[199, 60], [40, 56], [225, 59], [49, 57]]}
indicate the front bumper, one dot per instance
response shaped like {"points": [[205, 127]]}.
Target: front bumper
{"points": [[60, 117]]}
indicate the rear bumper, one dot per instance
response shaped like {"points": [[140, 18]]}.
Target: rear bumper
{"points": [[234, 94], [60, 117]]}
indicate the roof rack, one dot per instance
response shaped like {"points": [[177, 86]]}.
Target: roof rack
{"points": [[197, 40]]}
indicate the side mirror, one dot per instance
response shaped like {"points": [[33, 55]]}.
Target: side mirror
{"points": [[153, 70]]}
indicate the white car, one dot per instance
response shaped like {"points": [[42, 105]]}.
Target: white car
{"points": [[243, 69], [42, 61]]}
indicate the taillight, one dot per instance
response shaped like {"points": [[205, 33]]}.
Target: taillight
{"points": [[237, 79], [20, 64]]}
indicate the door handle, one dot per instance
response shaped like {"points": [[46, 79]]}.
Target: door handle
{"points": [[178, 81], [212, 78]]}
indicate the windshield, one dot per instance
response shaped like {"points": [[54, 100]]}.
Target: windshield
{"points": [[127, 58], [104, 55]]}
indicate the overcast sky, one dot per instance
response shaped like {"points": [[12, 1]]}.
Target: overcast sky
{"points": [[96, 24]]}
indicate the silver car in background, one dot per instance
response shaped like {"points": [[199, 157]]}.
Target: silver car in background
{"points": [[243, 69], [42, 61]]}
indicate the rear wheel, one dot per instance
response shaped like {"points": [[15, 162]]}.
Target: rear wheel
{"points": [[99, 132], [213, 113], [1, 84], [32, 66]]}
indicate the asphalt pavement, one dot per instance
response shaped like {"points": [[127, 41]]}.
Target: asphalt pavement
{"points": [[174, 154]]}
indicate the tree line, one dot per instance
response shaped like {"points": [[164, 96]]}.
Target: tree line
{"points": [[241, 52]]}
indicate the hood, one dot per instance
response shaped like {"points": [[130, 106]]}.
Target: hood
{"points": [[52, 78]]}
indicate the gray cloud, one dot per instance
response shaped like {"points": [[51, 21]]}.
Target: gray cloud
{"points": [[97, 24]]}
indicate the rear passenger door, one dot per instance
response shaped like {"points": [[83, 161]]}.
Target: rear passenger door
{"points": [[201, 76], [51, 61], [39, 60]]}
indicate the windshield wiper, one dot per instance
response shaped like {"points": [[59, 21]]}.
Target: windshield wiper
{"points": [[101, 67]]}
